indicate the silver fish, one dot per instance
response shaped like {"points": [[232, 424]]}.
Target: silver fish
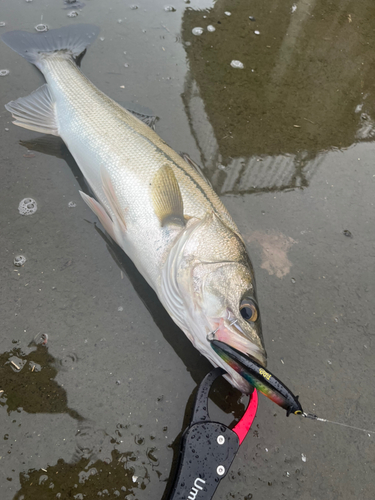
{"points": [[154, 203]]}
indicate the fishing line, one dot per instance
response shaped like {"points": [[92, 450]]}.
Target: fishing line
{"points": [[314, 417]]}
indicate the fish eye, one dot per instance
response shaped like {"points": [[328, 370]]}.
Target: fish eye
{"points": [[249, 310]]}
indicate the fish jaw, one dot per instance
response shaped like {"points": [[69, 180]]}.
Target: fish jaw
{"points": [[230, 333], [232, 338]]}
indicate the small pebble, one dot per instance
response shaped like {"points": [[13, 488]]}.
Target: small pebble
{"points": [[2, 24], [211, 28], [40, 339], [27, 206], [252, 18], [237, 64], [19, 260], [4, 72], [169, 8], [71, 204], [227, 13], [73, 13], [347, 233], [257, 32], [197, 31]]}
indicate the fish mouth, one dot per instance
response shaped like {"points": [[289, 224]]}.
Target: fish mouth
{"points": [[248, 349], [230, 355], [244, 364], [239, 357]]}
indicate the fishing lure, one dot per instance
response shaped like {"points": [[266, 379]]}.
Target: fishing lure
{"points": [[261, 379]]}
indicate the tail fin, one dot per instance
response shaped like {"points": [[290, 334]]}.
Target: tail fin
{"points": [[71, 39], [37, 111]]}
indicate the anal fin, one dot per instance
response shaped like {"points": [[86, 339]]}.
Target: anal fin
{"points": [[35, 112], [166, 197]]}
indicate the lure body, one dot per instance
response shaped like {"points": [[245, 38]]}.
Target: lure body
{"points": [[261, 379]]}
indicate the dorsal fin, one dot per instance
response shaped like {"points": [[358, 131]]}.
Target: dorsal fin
{"points": [[166, 197]]}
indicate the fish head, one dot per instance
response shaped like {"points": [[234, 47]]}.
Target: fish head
{"points": [[229, 304], [216, 284]]}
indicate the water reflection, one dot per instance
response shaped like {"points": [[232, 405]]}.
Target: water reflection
{"points": [[117, 475], [101, 463], [28, 382], [303, 88]]}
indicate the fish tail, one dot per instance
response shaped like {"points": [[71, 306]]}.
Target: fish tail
{"points": [[37, 111], [73, 40]]}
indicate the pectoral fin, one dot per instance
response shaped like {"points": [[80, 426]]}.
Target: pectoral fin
{"points": [[111, 195], [166, 197]]}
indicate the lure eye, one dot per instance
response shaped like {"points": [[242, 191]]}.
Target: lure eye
{"points": [[249, 310]]}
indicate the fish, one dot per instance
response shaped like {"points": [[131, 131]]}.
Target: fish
{"points": [[155, 203]]}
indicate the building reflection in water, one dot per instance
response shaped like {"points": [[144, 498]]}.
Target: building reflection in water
{"points": [[306, 88]]}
